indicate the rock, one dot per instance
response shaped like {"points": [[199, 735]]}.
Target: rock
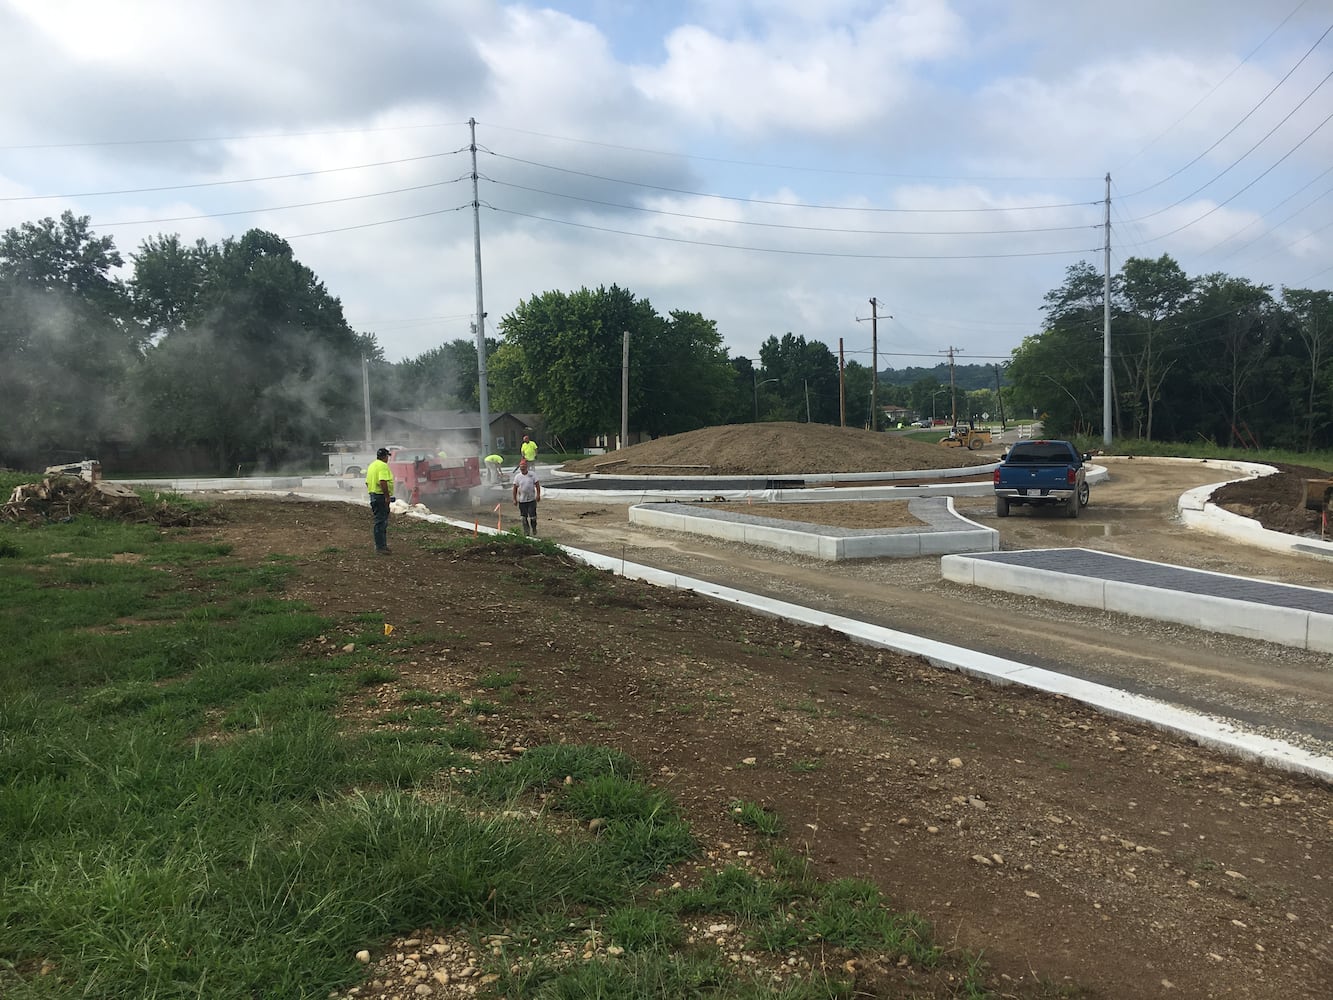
{"points": [[363, 956], [955, 762], [350, 648]]}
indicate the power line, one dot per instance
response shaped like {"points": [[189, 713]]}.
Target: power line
{"points": [[278, 208], [785, 204], [242, 180], [779, 225], [224, 138], [785, 250], [1244, 118]]}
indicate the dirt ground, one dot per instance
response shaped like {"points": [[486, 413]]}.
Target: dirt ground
{"points": [[1065, 847], [779, 449]]}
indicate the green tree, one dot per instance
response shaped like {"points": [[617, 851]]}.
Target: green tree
{"points": [[1152, 292], [66, 340], [807, 386], [258, 367], [1311, 314], [564, 352]]}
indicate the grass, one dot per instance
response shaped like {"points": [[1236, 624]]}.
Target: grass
{"points": [[184, 815]]}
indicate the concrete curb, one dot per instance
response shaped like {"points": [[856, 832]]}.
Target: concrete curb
{"points": [[944, 531], [1204, 730], [1283, 626]]}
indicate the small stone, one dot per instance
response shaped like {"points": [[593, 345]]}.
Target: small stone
{"points": [[350, 648], [1031, 895], [750, 761], [1231, 874], [955, 762], [981, 859], [363, 956], [932, 829]]}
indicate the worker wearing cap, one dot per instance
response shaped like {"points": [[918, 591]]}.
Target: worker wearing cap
{"points": [[527, 491], [379, 484]]}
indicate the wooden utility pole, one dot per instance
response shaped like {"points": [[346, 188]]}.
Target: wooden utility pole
{"points": [[874, 362], [953, 389]]}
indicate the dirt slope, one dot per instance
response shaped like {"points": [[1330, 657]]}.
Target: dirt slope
{"points": [[779, 449]]}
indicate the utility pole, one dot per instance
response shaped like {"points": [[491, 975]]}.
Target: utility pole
{"points": [[365, 397], [999, 399], [953, 389], [624, 393], [874, 362], [842, 387], [1106, 325], [483, 395]]}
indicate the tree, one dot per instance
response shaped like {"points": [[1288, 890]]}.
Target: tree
{"points": [[1152, 292], [683, 377], [258, 365], [1312, 315], [566, 350], [805, 371], [66, 340]]}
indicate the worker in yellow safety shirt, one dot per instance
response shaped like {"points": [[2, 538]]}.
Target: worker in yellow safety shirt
{"points": [[528, 450], [493, 463], [379, 484]]}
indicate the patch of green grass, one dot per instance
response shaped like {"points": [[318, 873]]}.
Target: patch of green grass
{"points": [[184, 815], [806, 766], [495, 680], [756, 817], [376, 675]]}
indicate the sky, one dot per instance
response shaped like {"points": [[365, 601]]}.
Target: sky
{"points": [[773, 165]]}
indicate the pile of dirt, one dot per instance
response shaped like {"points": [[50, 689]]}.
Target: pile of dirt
{"points": [[1277, 501], [62, 498], [773, 449]]}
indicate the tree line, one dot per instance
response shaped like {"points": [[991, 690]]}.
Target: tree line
{"points": [[234, 355], [1211, 358]]}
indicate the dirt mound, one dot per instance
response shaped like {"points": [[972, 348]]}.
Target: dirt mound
{"points": [[60, 498], [1277, 501], [772, 449]]}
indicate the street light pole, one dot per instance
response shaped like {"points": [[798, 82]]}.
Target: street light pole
{"points": [[757, 384]]}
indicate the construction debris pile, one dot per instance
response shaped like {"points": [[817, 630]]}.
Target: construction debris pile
{"points": [[61, 497]]}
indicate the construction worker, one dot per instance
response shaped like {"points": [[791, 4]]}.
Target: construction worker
{"points": [[493, 464], [528, 450], [527, 491], [379, 484]]}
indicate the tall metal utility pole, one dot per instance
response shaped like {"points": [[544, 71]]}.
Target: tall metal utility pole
{"points": [[1106, 325], [365, 398], [483, 393], [874, 365], [842, 387], [624, 392]]}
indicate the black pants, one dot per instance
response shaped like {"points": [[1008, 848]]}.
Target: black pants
{"points": [[528, 508], [379, 508]]}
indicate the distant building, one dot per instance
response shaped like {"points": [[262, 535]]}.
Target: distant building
{"points": [[455, 431]]}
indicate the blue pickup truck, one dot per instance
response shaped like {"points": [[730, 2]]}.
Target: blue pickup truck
{"points": [[1041, 473]]}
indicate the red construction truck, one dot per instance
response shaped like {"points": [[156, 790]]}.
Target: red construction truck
{"points": [[422, 476]]}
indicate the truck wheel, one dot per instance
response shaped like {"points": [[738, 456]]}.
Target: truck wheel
{"points": [[1084, 494], [974, 443], [1072, 506], [1001, 506], [351, 470]]}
